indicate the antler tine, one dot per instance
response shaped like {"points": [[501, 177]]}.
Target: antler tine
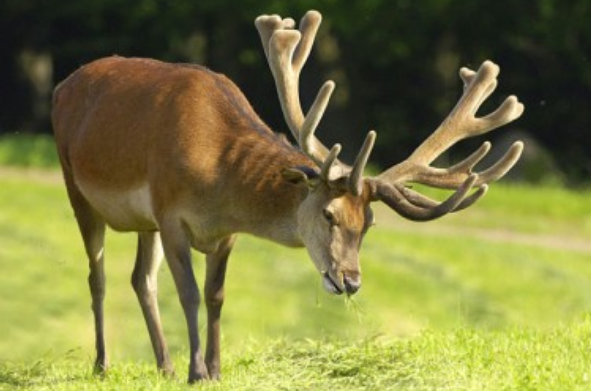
{"points": [[467, 75], [460, 124], [468, 164], [503, 165], [325, 169], [307, 140], [472, 198], [268, 24], [308, 27], [356, 177], [508, 111], [423, 201], [452, 177], [281, 47]]}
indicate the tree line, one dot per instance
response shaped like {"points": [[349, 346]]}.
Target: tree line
{"points": [[395, 62]]}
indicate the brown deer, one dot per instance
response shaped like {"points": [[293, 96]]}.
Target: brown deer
{"points": [[176, 153]]}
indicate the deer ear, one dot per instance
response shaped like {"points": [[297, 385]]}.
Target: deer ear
{"points": [[301, 175]]}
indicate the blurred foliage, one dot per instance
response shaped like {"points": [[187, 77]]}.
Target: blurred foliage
{"points": [[395, 61], [26, 150]]}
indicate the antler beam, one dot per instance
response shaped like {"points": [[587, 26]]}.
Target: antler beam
{"points": [[287, 50]]}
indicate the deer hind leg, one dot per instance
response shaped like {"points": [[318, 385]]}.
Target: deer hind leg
{"points": [[177, 250], [92, 228], [214, 299], [145, 283]]}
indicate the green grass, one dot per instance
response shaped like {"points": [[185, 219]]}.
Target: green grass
{"points": [[464, 359], [496, 297]]}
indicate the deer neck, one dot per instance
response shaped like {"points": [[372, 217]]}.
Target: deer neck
{"points": [[275, 218], [266, 204]]}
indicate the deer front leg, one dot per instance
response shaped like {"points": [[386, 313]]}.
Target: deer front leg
{"points": [[145, 283], [214, 299], [178, 255]]}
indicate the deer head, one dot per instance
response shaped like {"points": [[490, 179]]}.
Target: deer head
{"points": [[336, 213]]}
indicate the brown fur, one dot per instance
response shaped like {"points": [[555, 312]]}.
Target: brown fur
{"points": [[176, 153]]}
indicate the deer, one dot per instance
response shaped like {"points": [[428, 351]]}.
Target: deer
{"points": [[176, 153]]}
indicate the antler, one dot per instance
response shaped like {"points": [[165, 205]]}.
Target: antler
{"points": [[287, 51], [460, 124]]}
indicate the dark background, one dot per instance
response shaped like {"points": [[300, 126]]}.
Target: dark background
{"points": [[395, 63]]}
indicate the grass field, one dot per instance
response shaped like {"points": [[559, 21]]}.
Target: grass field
{"points": [[496, 297]]}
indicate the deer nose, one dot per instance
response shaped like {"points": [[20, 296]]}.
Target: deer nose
{"points": [[352, 283]]}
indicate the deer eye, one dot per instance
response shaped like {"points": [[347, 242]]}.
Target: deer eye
{"points": [[330, 217]]}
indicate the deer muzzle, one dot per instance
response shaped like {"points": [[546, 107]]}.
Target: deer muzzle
{"points": [[350, 284]]}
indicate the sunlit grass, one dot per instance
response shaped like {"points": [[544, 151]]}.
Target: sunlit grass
{"points": [[484, 299], [463, 359]]}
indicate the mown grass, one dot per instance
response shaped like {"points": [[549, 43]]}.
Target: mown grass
{"points": [[495, 297], [464, 359]]}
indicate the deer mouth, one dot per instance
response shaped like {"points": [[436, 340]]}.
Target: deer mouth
{"points": [[330, 285]]}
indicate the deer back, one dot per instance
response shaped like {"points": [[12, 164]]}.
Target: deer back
{"points": [[171, 136]]}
